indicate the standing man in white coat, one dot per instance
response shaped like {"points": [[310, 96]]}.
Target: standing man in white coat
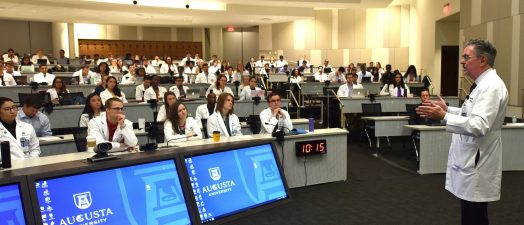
{"points": [[474, 170], [113, 127], [21, 136]]}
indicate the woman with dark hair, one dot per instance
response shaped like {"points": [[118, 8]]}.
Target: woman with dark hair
{"points": [[21, 136], [411, 74], [296, 77], [155, 91], [57, 87], [103, 69], [112, 91], [178, 125], [92, 109], [219, 86], [397, 88], [170, 99], [223, 120], [26, 61], [245, 93]]}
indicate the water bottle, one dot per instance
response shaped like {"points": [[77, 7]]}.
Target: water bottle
{"points": [[311, 124], [514, 119]]}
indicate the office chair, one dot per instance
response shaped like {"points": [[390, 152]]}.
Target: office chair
{"points": [[204, 128], [80, 134], [411, 110], [255, 124], [371, 109]]}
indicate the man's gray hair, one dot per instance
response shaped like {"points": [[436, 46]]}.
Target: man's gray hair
{"points": [[483, 48]]}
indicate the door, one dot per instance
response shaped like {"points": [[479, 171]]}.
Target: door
{"points": [[449, 70]]}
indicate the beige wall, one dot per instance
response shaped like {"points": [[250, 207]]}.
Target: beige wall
{"points": [[25, 37], [501, 22]]}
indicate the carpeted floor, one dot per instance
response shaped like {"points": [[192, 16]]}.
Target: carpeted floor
{"points": [[384, 191]]}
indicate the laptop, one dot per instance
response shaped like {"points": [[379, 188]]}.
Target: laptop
{"points": [[258, 93], [27, 69], [41, 61], [69, 80], [309, 79], [366, 79], [75, 98], [359, 93], [21, 80], [192, 94]]}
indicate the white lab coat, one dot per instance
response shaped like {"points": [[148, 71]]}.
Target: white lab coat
{"points": [[104, 95], [191, 126], [40, 78], [363, 74], [128, 79], [84, 120], [53, 93], [246, 93], [201, 113], [175, 90], [23, 131], [216, 123], [218, 91], [98, 129], [85, 80], [269, 122], [321, 77], [476, 129], [345, 91], [150, 94], [161, 116], [391, 90], [165, 68], [9, 80], [202, 78]]}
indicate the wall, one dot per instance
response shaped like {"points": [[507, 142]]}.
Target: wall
{"points": [[343, 37], [501, 22], [25, 37]]}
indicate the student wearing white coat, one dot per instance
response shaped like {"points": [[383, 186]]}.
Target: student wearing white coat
{"points": [[92, 109], [179, 89], [245, 94], [346, 90], [397, 88], [223, 119], [155, 91], [163, 111], [220, 86], [21, 136], [274, 116], [113, 127], [474, 169], [179, 127], [203, 111], [112, 91]]}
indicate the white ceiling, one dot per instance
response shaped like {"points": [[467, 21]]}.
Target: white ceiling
{"points": [[240, 13]]}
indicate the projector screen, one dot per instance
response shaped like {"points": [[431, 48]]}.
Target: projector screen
{"points": [[229, 182], [11, 208], [147, 193]]}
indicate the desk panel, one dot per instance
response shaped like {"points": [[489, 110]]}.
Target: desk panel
{"points": [[388, 104]]}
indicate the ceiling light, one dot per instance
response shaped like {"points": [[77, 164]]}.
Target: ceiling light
{"points": [[198, 5]]}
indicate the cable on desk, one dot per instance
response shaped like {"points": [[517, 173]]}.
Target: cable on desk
{"points": [[305, 170]]}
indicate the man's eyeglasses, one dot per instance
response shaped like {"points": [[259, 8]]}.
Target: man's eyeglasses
{"points": [[277, 100], [10, 109], [466, 57], [118, 109]]}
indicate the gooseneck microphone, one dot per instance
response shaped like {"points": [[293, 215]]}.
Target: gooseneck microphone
{"points": [[178, 138]]}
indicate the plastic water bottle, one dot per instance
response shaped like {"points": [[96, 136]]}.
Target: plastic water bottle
{"points": [[514, 119], [311, 124]]}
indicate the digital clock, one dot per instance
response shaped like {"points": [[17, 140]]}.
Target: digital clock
{"points": [[314, 147]]}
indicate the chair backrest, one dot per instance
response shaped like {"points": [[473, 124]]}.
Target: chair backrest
{"points": [[80, 134], [45, 98], [411, 110], [75, 98], [160, 137], [371, 109], [204, 127], [255, 124]]}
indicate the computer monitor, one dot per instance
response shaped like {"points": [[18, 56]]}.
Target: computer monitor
{"points": [[366, 79], [15, 207], [327, 90], [27, 69], [74, 98], [234, 181], [148, 193], [41, 61]]}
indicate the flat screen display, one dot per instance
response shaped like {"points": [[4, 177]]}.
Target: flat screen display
{"points": [[11, 208], [229, 182], [140, 194]]}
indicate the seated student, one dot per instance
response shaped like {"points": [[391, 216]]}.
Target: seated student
{"points": [[415, 118], [182, 74], [10, 56], [179, 89], [21, 136], [157, 61], [229, 74], [223, 120], [346, 90], [190, 68], [338, 77], [148, 69], [112, 91], [26, 61], [85, 74], [388, 76], [130, 76], [296, 77], [274, 117], [30, 114], [220, 86], [203, 111], [155, 91], [245, 94], [205, 76], [170, 99], [92, 109], [320, 76], [397, 88], [113, 127], [57, 87], [102, 85], [141, 89], [168, 66], [244, 82], [178, 125], [363, 73], [39, 55], [62, 60], [10, 69], [265, 70], [43, 76], [6, 79]]}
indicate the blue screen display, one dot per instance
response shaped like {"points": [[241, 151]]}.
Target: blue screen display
{"points": [[140, 194], [225, 183], [11, 209]]}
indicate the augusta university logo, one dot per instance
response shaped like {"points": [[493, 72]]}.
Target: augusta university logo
{"points": [[83, 200], [214, 173]]}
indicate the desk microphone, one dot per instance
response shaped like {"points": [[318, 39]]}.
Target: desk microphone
{"points": [[178, 138]]}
